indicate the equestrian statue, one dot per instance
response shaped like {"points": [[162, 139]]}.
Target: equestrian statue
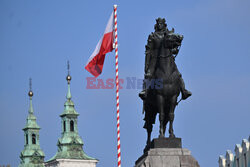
{"points": [[160, 69]]}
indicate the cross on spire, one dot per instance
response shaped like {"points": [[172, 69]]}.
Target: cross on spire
{"points": [[30, 84], [30, 91], [68, 78], [68, 66]]}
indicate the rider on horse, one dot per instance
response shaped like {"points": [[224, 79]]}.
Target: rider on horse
{"points": [[161, 49], [157, 42]]}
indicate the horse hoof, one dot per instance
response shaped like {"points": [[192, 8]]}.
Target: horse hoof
{"points": [[161, 136], [171, 136]]}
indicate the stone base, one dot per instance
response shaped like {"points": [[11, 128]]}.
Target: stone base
{"points": [[166, 143], [167, 157]]}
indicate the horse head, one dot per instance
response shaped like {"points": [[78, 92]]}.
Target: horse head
{"points": [[173, 40]]}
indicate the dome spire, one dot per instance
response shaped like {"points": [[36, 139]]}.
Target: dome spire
{"points": [[32, 150], [68, 78], [70, 143], [31, 110]]}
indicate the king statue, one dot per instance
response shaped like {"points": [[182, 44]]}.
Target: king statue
{"points": [[161, 50]]}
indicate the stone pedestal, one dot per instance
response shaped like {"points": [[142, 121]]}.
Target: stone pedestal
{"points": [[166, 143], [166, 152], [167, 157]]}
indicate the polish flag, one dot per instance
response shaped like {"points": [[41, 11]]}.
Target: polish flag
{"points": [[105, 45]]}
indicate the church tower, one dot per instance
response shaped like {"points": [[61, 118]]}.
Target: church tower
{"points": [[70, 152], [32, 155]]}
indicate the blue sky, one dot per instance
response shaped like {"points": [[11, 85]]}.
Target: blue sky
{"points": [[38, 37]]}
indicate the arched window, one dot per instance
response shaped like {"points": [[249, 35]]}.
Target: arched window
{"points": [[33, 139], [72, 126], [27, 139], [64, 126]]}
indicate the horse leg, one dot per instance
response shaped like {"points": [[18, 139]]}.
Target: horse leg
{"points": [[166, 119], [171, 116], [160, 102], [171, 130], [149, 130]]}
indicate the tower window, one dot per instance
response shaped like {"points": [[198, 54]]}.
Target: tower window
{"points": [[33, 139], [64, 126], [27, 139], [72, 126]]}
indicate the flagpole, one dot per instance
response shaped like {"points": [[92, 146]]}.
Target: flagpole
{"points": [[117, 90]]}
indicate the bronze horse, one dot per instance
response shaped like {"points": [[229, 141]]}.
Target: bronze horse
{"points": [[161, 50]]}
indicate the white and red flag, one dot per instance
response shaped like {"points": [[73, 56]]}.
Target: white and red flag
{"points": [[95, 65], [105, 45]]}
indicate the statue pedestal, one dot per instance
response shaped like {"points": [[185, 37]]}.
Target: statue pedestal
{"points": [[166, 143], [165, 155]]}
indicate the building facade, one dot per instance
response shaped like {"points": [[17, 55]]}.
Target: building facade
{"points": [[241, 158]]}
